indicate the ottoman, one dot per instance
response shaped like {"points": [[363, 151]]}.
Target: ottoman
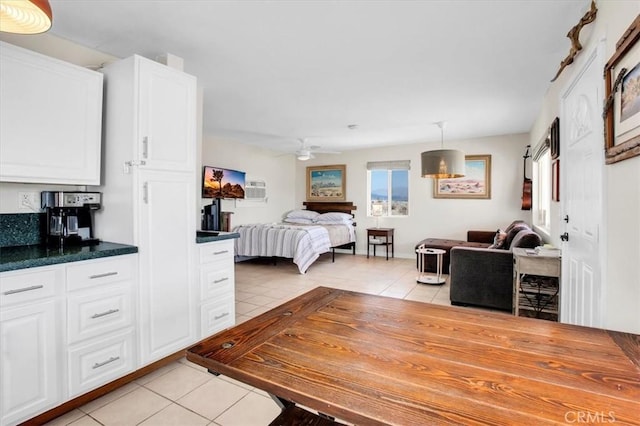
{"points": [[446, 245]]}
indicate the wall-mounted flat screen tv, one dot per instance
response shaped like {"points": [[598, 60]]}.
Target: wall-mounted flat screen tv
{"points": [[222, 183]]}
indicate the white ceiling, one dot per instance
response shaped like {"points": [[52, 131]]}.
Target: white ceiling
{"points": [[274, 71]]}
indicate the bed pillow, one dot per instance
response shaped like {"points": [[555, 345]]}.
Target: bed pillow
{"points": [[299, 221], [334, 217], [302, 214]]}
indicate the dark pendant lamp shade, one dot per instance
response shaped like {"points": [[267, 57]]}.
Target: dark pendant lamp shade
{"points": [[25, 16], [443, 163]]}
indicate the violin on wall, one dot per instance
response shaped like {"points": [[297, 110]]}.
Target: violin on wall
{"points": [[526, 184]]}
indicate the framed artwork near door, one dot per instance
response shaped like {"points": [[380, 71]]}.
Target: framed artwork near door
{"points": [[555, 180], [327, 183], [622, 98], [554, 136], [475, 184]]}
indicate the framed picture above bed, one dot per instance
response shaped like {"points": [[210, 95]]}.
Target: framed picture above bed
{"points": [[327, 183]]}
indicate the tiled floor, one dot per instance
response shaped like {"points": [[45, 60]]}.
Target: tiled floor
{"points": [[184, 394]]}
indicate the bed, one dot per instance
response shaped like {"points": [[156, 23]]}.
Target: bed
{"points": [[302, 236]]}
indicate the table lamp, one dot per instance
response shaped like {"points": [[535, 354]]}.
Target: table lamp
{"points": [[376, 211]]}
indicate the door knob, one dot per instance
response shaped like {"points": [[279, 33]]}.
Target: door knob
{"points": [[566, 218], [564, 237]]}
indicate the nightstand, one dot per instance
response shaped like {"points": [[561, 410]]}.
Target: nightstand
{"points": [[380, 237]]}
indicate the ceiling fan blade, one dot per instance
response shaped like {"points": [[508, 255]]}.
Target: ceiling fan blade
{"points": [[324, 151]]}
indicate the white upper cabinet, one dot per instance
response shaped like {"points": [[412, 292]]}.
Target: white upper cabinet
{"points": [[50, 119], [167, 109]]}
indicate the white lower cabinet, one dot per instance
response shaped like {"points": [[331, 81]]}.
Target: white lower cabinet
{"points": [[217, 287], [99, 361], [31, 343], [64, 330], [100, 322]]}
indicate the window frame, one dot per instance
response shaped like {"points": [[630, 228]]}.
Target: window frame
{"points": [[373, 167], [542, 183]]}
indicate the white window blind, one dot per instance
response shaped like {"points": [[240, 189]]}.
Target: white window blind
{"points": [[389, 165]]}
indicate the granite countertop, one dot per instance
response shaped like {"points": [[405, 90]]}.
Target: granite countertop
{"points": [[31, 256], [210, 236]]}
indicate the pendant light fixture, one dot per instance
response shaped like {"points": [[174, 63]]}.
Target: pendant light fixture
{"points": [[443, 163], [25, 16]]}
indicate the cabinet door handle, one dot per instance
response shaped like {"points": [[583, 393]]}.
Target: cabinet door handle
{"points": [[20, 290], [145, 147], [217, 317], [215, 253], [106, 274], [105, 313], [103, 363], [145, 192], [220, 280]]}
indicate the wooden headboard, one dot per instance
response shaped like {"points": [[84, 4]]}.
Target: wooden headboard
{"points": [[326, 207]]}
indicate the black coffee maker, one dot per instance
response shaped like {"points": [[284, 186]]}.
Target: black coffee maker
{"points": [[70, 217]]}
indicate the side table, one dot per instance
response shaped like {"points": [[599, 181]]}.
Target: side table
{"points": [[424, 277], [372, 240], [536, 284]]}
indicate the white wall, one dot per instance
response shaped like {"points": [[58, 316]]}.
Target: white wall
{"points": [[275, 168], [428, 216], [622, 180]]}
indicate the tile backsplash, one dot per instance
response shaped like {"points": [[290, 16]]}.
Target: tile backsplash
{"points": [[21, 229]]}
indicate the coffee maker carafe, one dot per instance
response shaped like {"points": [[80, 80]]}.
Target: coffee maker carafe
{"points": [[70, 217]]}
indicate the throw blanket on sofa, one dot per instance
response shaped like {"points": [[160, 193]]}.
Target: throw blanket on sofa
{"points": [[303, 244]]}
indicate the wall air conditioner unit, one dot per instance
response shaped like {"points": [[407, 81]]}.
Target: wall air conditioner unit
{"points": [[255, 190]]}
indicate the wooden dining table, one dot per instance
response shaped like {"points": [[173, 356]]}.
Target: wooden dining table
{"points": [[369, 360]]}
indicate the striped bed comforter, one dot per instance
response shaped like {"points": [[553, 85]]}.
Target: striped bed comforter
{"points": [[303, 244]]}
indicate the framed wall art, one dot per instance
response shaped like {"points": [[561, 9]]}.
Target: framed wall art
{"points": [[475, 184], [327, 183], [554, 138], [555, 180], [622, 102]]}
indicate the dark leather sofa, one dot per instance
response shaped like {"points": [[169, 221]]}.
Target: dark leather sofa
{"points": [[484, 276]]}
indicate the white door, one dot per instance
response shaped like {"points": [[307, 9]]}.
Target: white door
{"points": [[167, 117], [166, 245], [581, 166]]}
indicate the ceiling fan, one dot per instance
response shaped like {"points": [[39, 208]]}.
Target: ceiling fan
{"points": [[306, 152]]}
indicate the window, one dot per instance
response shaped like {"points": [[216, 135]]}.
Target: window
{"points": [[388, 188], [542, 187]]}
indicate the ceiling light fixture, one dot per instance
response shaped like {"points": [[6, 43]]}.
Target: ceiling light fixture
{"points": [[25, 16], [442, 163], [303, 155]]}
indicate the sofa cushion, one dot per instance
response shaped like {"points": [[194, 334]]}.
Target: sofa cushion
{"points": [[526, 239], [514, 223], [511, 233]]}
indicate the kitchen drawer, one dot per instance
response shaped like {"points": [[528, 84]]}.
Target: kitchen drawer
{"points": [[99, 311], [215, 251], [98, 272], [216, 279], [30, 284], [217, 315], [100, 361]]}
